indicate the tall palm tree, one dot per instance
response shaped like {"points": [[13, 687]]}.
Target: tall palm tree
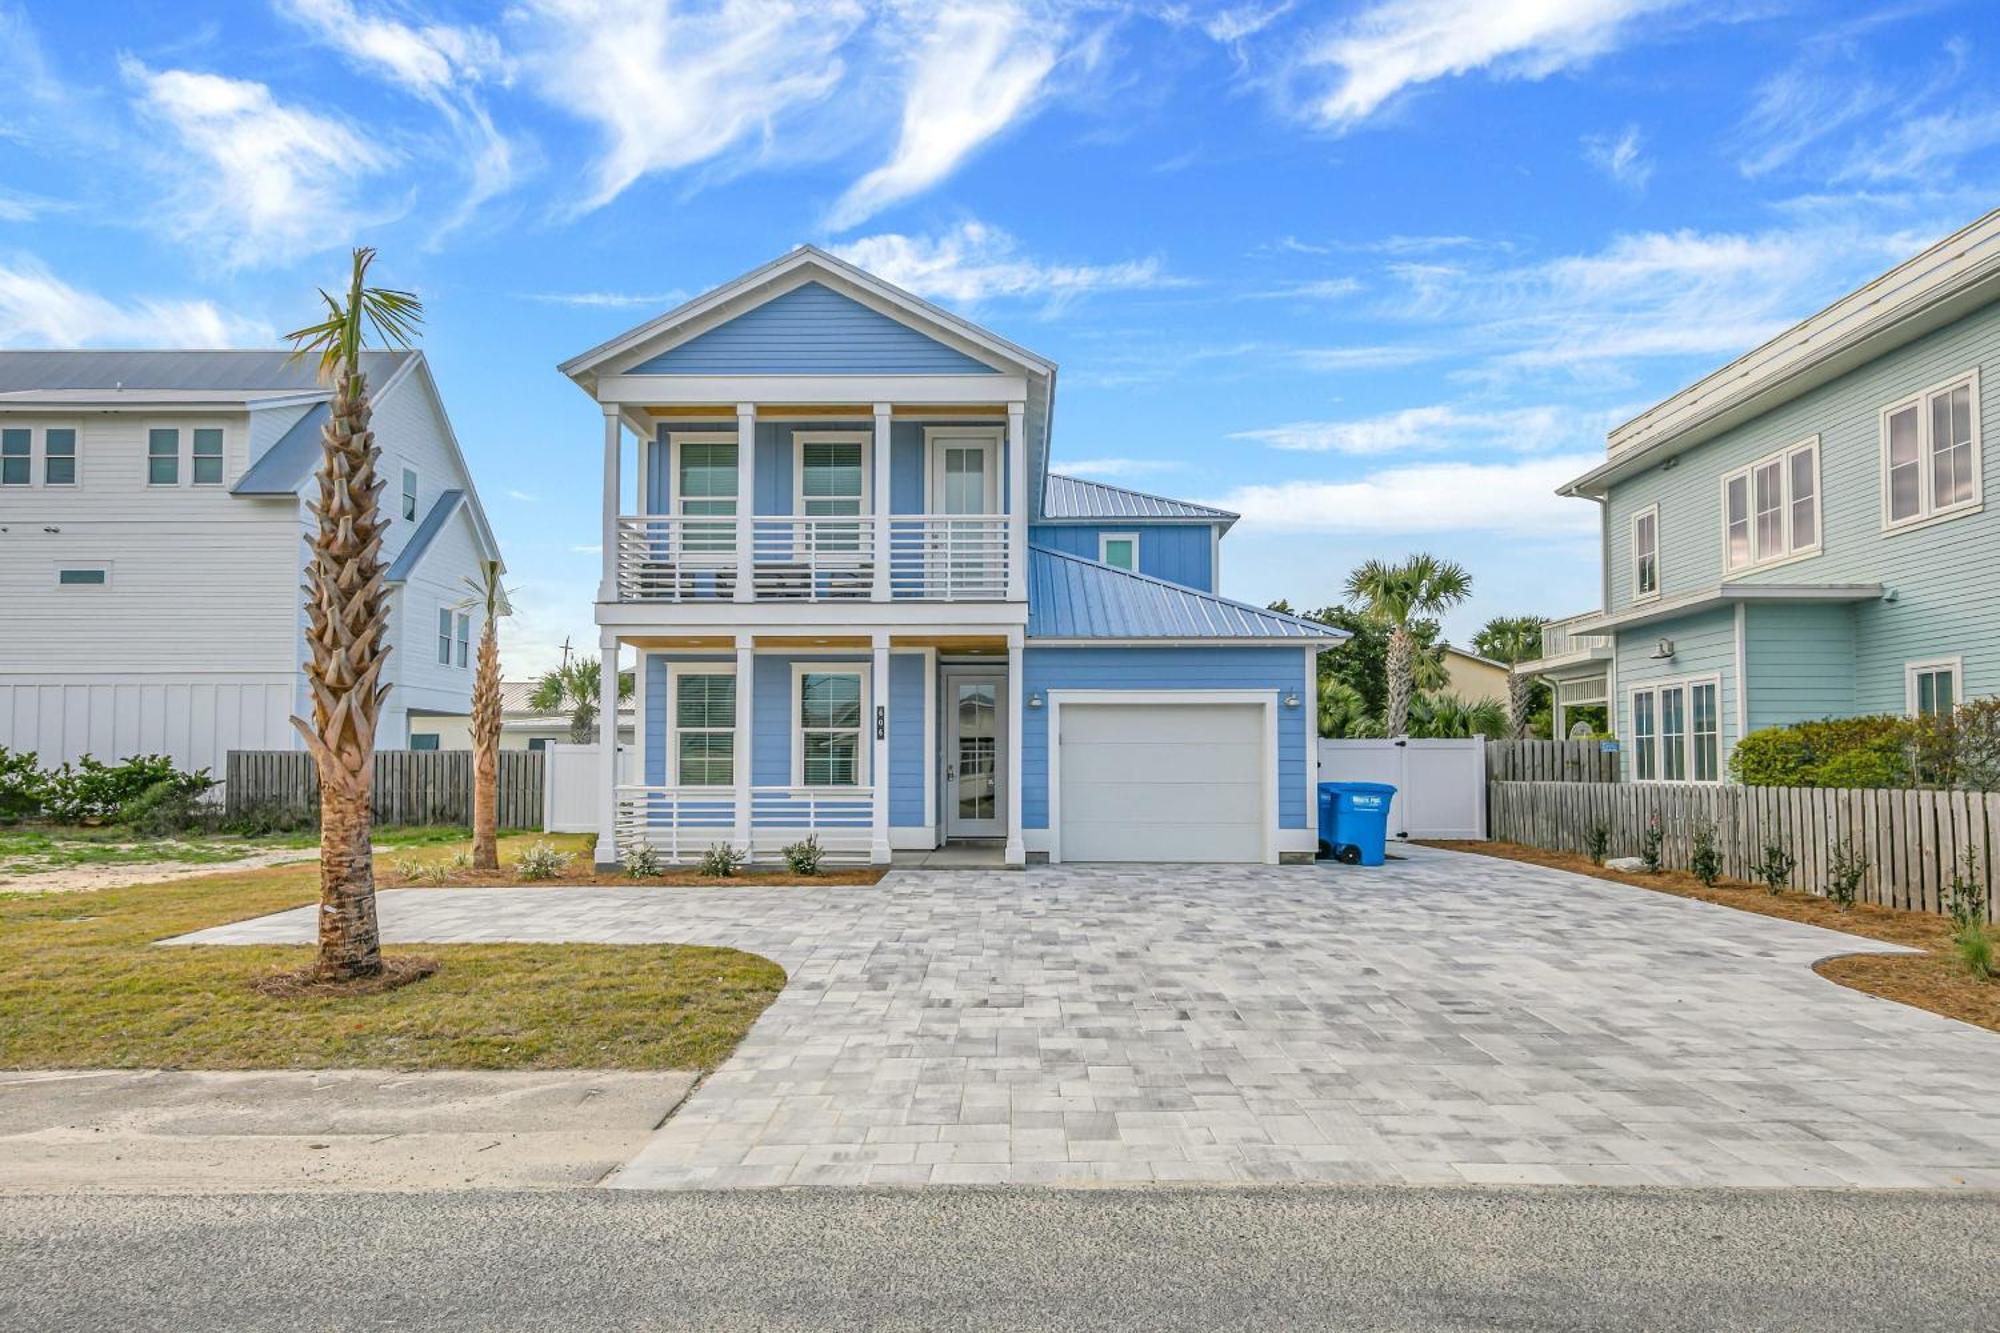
{"points": [[1397, 595], [1513, 640], [347, 614], [573, 688], [488, 595]]}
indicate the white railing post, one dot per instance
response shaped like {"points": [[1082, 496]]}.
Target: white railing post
{"points": [[607, 745], [607, 588], [879, 494], [746, 501], [1017, 689], [878, 768], [746, 686], [1017, 503]]}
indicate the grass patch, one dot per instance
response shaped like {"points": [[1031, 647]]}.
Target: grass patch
{"points": [[81, 985], [1934, 979], [28, 849]]}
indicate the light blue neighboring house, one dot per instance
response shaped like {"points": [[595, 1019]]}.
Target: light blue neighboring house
{"points": [[862, 608], [1803, 533]]}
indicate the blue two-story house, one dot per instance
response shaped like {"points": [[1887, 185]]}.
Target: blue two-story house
{"points": [[1803, 533], [863, 610]]}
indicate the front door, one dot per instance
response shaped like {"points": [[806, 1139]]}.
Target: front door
{"points": [[975, 754]]}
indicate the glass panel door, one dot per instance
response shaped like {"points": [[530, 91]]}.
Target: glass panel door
{"points": [[975, 755], [963, 483]]}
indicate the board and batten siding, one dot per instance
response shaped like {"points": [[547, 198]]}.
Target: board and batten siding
{"points": [[811, 330], [1182, 553], [196, 719], [1946, 601]]}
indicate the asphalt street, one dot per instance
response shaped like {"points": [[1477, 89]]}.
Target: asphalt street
{"points": [[1375, 1258]]}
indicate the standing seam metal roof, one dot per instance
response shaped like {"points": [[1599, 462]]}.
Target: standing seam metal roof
{"points": [[1070, 597], [245, 370], [1071, 497]]}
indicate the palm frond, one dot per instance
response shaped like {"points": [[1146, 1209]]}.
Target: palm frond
{"points": [[395, 317]]}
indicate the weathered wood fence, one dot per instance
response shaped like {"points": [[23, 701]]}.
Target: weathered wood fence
{"points": [[1550, 761], [411, 786], [1912, 840]]}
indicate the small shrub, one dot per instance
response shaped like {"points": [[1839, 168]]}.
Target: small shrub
{"points": [[22, 784], [1845, 869], [407, 868], [1597, 843], [460, 860], [720, 861], [642, 861], [1776, 868], [1650, 839], [543, 860], [1974, 947], [1705, 862], [1965, 896], [805, 857], [434, 873], [167, 808]]}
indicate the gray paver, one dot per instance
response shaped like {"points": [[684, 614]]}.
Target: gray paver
{"points": [[1446, 1018]]}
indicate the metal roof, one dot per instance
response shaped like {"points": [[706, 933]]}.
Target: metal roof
{"points": [[247, 372], [420, 540], [1070, 597], [285, 464], [1073, 498]]}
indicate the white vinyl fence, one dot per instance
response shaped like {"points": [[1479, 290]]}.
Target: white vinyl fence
{"points": [[1440, 784], [572, 786]]}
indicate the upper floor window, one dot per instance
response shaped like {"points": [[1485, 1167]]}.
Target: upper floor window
{"points": [[1646, 553], [832, 475], [705, 488], [444, 636], [59, 456], [1931, 688], [464, 638], [1770, 509], [163, 456], [1120, 550], [1930, 453], [207, 460], [17, 456], [409, 493]]}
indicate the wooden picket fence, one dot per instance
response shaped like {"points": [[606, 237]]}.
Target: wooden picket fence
{"points": [[411, 786], [1912, 840], [1550, 761]]}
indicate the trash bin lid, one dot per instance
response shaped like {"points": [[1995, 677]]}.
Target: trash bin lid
{"points": [[1362, 788]]}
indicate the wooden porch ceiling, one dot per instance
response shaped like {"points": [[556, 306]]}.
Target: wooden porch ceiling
{"points": [[965, 644], [822, 411]]}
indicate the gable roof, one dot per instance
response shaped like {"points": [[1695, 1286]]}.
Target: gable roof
{"points": [[1071, 498], [777, 337], [242, 374], [433, 523], [286, 463], [1070, 597]]}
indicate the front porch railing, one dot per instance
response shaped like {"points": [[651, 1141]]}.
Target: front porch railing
{"points": [[683, 822], [931, 557], [680, 823]]}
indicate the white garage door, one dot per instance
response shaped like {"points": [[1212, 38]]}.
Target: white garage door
{"points": [[1162, 782]]}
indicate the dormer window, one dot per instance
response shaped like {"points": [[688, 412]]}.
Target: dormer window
{"points": [[410, 493], [1120, 550]]}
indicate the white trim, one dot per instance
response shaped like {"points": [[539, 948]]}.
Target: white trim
{"points": [[1333, 639], [1265, 699], [675, 493], [1911, 670], [1104, 539], [671, 734], [932, 744], [643, 619], [993, 438], [1004, 776], [801, 438], [1723, 594], [38, 429], [773, 390], [1789, 551], [864, 734], [1927, 513], [1688, 684], [1742, 670], [1639, 594]]}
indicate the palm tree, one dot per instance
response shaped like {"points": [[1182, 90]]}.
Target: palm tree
{"points": [[492, 598], [1396, 595], [1446, 716], [1513, 640], [573, 688], [347, 614]]}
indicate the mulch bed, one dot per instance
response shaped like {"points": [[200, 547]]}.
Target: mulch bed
{"points": [[398, 971], [1932, 980]]}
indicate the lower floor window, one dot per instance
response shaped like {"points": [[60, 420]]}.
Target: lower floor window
{"points": [[829, 736], [1932, 687], [1677, 732], [704, 729]]}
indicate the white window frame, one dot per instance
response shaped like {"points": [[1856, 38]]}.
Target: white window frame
{"points": [[1104, 540], [221, 458], [1789, 550], [1931, 666], [802, 438], [1652, 511], [939, 438], [412, 494], [1687, 684], [709, 542], [463, 640], [738, 754], [865, 746], [182, 443], [31, 483], [446, 625], [57, 567], [76, 454], [1927, 512]]}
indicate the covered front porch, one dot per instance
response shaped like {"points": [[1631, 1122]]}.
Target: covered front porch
{"points": [[871, 742]]}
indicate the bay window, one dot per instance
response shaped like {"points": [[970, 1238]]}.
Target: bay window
{"points": [[1930, 454], [1770, 509], [1677, 731]]}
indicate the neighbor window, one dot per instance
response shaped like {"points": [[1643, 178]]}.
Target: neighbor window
{"points": [[1120, 550], [409, 493], [1770, 510], [464, 638], [704, 729], [95, 578], [163, 456], [444, 636], [59, 456], [423, 740], [1646, 553], [538, 744], [1677, 732], [830, 730], [1932, 687], [17, 460], [706, 489], [207, 470], [1930, 453]]}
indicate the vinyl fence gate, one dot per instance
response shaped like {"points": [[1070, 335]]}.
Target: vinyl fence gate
{"points": [[1440, 784]]}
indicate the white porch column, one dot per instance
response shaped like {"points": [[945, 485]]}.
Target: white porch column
{"points": [[878, 767], [1556, 709], [880, 491], [1017, 693], [607, 588], [746, 501], [607, 750], [1017, 504], [746, 682]]}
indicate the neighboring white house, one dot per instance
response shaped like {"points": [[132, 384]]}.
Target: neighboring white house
{"points": [[153, 510], [522, 727]]}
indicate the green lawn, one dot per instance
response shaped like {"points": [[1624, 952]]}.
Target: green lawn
{"points": [[28, 848], [82, 986]]}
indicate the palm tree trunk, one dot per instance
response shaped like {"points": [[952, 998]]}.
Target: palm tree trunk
{"points": [[1396, 713], [1518, 687], [347, 612], [486, 749]]}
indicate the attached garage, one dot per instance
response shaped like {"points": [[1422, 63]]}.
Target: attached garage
{"points": [[1155, 777]]}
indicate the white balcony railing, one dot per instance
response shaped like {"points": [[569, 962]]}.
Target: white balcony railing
{"points": [[1559, 641], [932, 557], [683, 822]]}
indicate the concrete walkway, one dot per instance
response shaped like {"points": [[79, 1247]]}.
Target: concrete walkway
{"points": [[1444, 1019]]}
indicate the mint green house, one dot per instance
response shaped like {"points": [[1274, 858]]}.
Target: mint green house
{"points": [[1803, 533]]}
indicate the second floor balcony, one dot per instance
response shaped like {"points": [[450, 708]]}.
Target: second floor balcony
{"points": [[1560, 640], [780, 558]]}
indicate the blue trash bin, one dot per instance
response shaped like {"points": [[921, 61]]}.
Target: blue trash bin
{"points": [[1354, 821]]}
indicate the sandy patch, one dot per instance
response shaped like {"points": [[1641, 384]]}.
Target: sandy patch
{"points": [[91, 878]]}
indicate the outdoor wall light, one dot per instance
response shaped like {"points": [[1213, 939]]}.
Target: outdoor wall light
{"points": [[1291, 698], [1034, 698]]}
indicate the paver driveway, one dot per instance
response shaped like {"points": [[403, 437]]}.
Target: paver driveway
{"points": [[1446, 1018]]}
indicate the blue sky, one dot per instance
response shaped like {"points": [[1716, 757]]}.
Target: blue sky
{"points": [[1377, 275]]}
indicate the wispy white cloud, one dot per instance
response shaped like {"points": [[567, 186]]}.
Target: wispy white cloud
{"points": [[524, 497], [1439, 428], [974, 262], [1399, 44], [38, 309], [1365, 356], [972, 73], [1312, 289], [268, 181], [1512, 499], [1799, 107], [1620, 156], [611, 300], [1237, 22], [1115, 467], [1924, 148]]}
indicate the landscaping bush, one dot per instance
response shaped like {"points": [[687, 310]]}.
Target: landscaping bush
{"points": [[1650, 839], [720, 861], [22, 784], [1845, 869], [1705, 863], [1776, 868], [642, 861], [543, 860], [167, 808], [1965, 896], [87, 789], [1597, 843], [805, 857], [1834, 752], [1974, 947], [262, 818]]}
